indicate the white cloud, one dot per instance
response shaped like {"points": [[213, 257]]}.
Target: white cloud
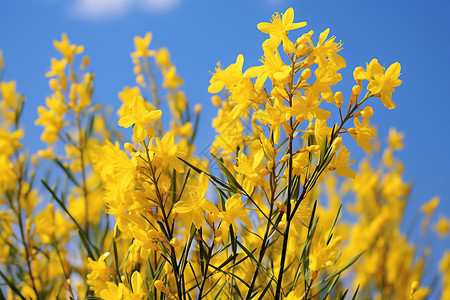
{"points": [[106, 9]]}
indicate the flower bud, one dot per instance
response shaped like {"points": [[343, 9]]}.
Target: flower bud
{"points": [[356, 90], [338, 99], [175, 242], [54, 85], [215, 100], [85, 61], [306, 74], [281, 206], [137, 69], [197, 108], [129, 147], [140, 80], [367, 112], [135, 60], [159, 285]]}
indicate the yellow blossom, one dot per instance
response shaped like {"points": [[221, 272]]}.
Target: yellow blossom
{"points": [[234, 209], [141, 46], [275, 115], [395, 139], [361, 133], [442, 227], [165, 153], [429, 207], [57, 67], [194, 203], [66, 49], [140, 117], [171, 79], [100, 274], [273, 67], [8, 94], [163, 58], [278, 30], [228, 77]]}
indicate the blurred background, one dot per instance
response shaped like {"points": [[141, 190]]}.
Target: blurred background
{"points": [[200, 33]]}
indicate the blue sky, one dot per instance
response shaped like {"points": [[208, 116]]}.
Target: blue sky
{"points": [[200, 33]]}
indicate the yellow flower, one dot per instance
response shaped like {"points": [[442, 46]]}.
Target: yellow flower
{"points": [[165, 154], [141, 46], [140, 117], [325, 77], [385, 84], [138, 292], [429, 207], [8, 93], [7, 174], [66, 49], [278, 30], [307, 108], [444, 267], [234, 209], [395, 139], [9, 142], [442, 227], [323, 253], [171, 79], [52, 121], [163, 58], [100, 274], [340, 164], [325, 52], [159, 285], [275, 115], [378, 82], [361, 133], [228, 77], [57, 67], [273, 67], [113, 291], [194, 204], [127, 96]]}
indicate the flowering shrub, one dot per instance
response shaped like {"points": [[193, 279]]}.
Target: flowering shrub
{"points": [[145, 217]]}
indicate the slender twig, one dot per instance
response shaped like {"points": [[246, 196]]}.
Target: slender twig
{"points": [[264, 247], [22, 230], [19, 214], [308, 289], [205, 272], [169, 228], [83, 173], [289, 191]]}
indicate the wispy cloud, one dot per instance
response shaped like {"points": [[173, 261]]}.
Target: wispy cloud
{"points": [[107, 9]]}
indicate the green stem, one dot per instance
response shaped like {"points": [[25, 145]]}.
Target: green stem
{"points": [[173, 257], [289, 191]]}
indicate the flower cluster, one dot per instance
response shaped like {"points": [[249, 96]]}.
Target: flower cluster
{"points": [[145, 217]]}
